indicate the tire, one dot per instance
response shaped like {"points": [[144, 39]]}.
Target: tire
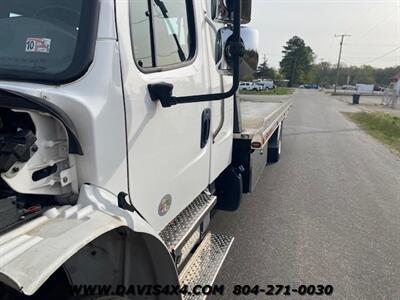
{"points": [[229, 189], [274, 153]]}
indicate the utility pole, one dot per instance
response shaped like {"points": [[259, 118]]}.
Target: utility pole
{"points": [[342, 36]]}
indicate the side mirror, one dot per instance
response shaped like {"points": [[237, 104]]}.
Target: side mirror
{"points": [[224, 57], [222, 11], [232, 49]]}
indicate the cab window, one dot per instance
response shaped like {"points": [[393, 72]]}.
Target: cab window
{"points": [[162, 32]]}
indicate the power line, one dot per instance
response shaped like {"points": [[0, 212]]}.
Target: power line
{"points": [[382, 56], [366, 57], [357, 45], [381, 21]]}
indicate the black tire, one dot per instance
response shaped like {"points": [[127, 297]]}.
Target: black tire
{"points": [[229, 190], [274, 152], [273, 155]]}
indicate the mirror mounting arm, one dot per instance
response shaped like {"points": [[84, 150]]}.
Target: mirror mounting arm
{"points": [[236, 49], [163, 91]]}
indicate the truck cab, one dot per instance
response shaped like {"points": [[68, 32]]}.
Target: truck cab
{"points": [[119, 124]]}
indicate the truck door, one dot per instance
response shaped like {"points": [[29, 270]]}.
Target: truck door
{"points": [[168, 148], [222, 110]]}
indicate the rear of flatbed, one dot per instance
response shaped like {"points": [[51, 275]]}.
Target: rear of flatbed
{"points": [[259, 138]]}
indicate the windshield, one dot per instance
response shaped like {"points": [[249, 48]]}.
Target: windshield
{"points": [[46, 40]]}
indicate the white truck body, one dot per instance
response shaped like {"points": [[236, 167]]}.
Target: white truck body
{"points": [[266, 84], [365, 88], [131, 183]]}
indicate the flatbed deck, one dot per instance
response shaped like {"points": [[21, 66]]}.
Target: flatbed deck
{"points": [[260, 117]]}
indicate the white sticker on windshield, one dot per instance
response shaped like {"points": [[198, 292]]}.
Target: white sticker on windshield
{"points": [[38, 45]]}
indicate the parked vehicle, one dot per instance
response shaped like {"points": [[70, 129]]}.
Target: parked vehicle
{"points": [[258, 86], [365, 88], [249, 86], [243, 86], [311, 86], [349, 87], [266, 84], [119, 139]]}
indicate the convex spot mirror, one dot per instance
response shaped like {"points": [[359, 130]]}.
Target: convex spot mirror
{"points": [[222, 11], [224, 58]]}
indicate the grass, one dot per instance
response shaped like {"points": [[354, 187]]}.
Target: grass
{"points": [[382, 126], [279, 91]]}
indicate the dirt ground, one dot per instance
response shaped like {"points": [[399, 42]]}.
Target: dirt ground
{"points": [[370, 103]]}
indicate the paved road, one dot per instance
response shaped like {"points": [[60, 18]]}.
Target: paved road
{"points": [[327, 213]]}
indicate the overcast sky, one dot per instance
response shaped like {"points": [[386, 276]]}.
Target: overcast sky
{"points": [[373, 24]]}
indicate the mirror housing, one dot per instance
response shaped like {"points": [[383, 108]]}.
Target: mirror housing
{"points": [[233, 52], [222, 11], [224, 57]]}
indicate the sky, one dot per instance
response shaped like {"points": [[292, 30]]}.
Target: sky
{"points": [[374, 27]]}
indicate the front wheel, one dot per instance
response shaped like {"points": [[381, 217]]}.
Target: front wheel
{"points": [[229, 189]]}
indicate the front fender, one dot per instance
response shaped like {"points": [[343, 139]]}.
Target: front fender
{"points": [[30, 254]]}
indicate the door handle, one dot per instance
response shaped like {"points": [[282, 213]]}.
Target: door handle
{"points": [[205, 127]]}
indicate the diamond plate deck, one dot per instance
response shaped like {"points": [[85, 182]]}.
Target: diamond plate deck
{"points": [[203, 267], [189, 245], [180, 229]]}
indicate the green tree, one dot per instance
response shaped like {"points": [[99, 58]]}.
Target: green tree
{"points": [[364, 74], [265, 72], [325, 74], [297, 61], [383, 76]]}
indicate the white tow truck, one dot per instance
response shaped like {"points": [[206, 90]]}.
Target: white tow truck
{"points": [[120, 132]]}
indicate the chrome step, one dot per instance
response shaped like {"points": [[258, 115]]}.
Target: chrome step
{"points": [[183, 228], [204, 265]]}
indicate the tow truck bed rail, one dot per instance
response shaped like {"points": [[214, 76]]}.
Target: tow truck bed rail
{"points": [[260, 119]]}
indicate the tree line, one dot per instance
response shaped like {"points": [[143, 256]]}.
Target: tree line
{"points": [[298, 67]]}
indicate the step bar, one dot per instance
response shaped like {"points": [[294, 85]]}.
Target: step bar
{"points": [[197, 253], [183, 232], [203, 267]]}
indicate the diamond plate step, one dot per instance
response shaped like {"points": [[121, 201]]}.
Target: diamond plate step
{"points": [[204, 265], [181, 229]]}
